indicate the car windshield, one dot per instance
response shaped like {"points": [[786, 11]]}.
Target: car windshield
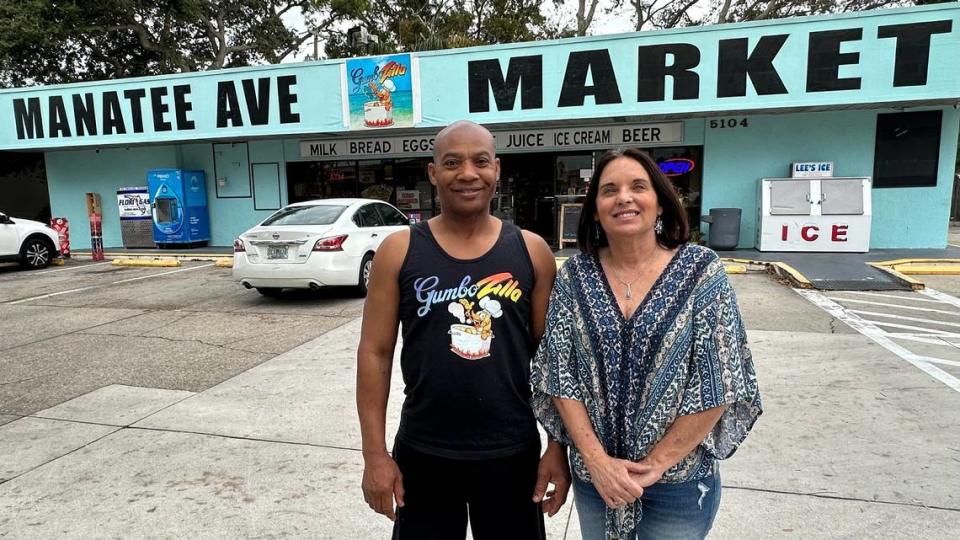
{"points": [[323, 214]]}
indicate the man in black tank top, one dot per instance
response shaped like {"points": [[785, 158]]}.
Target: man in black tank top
{"points": [[470, 293]]}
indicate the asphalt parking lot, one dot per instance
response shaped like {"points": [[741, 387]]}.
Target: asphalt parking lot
{"points": [[173, 403], [71, 329]]}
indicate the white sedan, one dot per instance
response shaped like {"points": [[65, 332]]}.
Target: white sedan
{"points": [[315, 244]]}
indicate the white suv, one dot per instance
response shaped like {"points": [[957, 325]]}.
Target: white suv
{"points": [[30, 243]]}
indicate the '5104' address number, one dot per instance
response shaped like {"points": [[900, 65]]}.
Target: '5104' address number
{"points": [[728, 123]]}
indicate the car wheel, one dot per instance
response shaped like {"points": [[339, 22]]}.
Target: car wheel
{"points": [[366, 265], [36, 253], [271, 292]]}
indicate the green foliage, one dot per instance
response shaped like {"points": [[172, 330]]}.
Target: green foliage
{"points": [[59, 41], [417, 25]]}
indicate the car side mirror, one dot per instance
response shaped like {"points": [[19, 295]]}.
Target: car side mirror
{"points": [[5, 219]]}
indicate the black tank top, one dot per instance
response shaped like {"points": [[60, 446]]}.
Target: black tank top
{"points": [[466, 348]]}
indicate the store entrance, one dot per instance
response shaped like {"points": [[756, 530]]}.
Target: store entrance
{"points": [[534, 187], [524, 193]]}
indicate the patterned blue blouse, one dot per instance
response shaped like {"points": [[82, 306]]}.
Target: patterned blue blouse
{"points": [[684, 350]]}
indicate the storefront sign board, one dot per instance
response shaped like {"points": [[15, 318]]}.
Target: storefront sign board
{"points": [[531, 140]]}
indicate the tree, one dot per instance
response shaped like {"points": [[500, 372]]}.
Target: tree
{"points": [[755, 10], [418, 25], [59, 41], [659, 14], [585, 12]]}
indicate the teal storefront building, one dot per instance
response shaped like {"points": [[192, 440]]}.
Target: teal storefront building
{"points": [[876, 94]]}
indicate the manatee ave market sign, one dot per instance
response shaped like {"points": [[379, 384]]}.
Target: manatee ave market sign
{"points": [[885, 56]]}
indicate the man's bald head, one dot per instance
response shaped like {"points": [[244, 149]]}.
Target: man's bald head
{"points": [[462, 128]]}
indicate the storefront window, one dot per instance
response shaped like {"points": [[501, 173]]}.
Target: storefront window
{"points": [[573, 174], [402, 183], [908, 149], [683, 166], [340, 179], [376, 180], [415, 195]]}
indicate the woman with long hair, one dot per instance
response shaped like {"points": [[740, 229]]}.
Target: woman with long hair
{"points": [[644, 369]]}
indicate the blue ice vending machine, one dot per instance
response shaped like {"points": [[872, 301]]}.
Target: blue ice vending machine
{"points": [[179, 202]]}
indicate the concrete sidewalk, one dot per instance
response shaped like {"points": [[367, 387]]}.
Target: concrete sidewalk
{"points": [[853, 444]]}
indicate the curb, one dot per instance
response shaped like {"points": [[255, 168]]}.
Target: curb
{"points": [[224, 262], [904, 279], [153, 256], [779, 269], [789, 273], [165, 263], [929, 267]]}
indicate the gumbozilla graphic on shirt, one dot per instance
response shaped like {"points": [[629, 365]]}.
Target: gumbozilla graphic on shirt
{"points": [[475, 306]]}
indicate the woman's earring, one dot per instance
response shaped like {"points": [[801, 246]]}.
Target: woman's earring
{"points": [[596, 231], [658, 226]]}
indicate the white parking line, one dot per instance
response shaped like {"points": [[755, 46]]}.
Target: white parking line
{"points": [[940, 297], [44, 272], [163, 273], [923, 339], [898, 306], [870, 330], [893, 296], [43, 296], [902, 317], [923, 331]]}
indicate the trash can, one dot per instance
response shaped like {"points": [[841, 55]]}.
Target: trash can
{"points": [[724, 228]]}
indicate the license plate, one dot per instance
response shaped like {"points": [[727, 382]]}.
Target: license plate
{"points": [[277, 252]]}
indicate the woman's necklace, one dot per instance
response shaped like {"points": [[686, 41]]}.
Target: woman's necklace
{"points": [[626, 284]]}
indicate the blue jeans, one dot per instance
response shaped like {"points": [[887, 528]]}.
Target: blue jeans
{"points": [[682, 511]]}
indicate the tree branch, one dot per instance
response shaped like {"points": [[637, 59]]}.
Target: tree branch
{"points": [[724, 10]]}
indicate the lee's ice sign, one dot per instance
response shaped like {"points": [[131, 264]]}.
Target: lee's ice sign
{"points": [[812, 169]]}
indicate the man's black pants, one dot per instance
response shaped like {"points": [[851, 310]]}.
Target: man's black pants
{"points": [[439, 493]]}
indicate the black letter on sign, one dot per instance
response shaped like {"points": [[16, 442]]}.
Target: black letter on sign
{"points": [[735, 65], [485, 75], [824, 60], [913, 49], [59, 125], [29, 118], [258, 101], [652, 71], [134, 97], [159, 109], [112, 115], [227, 106], [84, 115], [182, 106], [604, 88], [287, 98]]}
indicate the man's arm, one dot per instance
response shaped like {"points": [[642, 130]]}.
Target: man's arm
{"points": [[382, 481], [553, 465]]}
